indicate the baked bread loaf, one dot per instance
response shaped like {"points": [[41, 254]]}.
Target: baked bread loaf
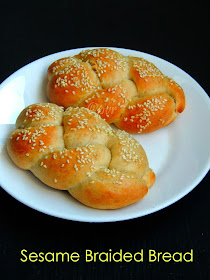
{"points": [[76, 150], [128, 91]]}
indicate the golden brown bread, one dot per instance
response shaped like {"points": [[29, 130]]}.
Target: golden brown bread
{"points": [[76, 150], [128, 91]]}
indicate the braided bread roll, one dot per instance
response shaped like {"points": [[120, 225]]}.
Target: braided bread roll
{"points": [[128, 91], [77, 151]]}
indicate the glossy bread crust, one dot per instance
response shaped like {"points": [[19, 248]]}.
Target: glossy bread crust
{"points": [[109, 84], [76, 150]]}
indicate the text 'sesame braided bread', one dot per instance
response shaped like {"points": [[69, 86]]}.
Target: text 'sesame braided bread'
{"points": [[76, 150], [128, 91]]}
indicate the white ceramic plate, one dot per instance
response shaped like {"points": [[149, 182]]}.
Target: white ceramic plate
{"points": [[179, 154]]}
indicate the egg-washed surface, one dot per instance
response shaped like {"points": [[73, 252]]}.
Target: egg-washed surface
{"points": [[76, 150], [130, 92]]}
